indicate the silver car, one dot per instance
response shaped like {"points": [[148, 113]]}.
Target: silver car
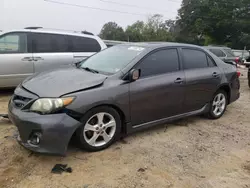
{"points": [[27, 51]]}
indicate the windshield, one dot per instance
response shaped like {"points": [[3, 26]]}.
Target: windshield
{"points": [[113, 59]]}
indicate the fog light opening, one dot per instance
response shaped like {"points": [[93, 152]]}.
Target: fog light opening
{"points": [[35, 138]]}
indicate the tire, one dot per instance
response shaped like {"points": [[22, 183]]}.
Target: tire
{"points": [[101, 127], [221, 106]]}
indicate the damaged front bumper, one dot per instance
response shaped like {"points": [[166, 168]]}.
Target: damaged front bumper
{"points": [[48, 134]]}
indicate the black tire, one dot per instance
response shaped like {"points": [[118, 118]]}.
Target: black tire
{"points": [[79, 133], [211, 114]]}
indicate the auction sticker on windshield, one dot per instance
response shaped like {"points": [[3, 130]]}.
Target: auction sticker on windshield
{"points": [[136, 48]]}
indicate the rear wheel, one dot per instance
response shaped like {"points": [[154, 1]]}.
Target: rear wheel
{"points": [[218, 105], [100, 128]]}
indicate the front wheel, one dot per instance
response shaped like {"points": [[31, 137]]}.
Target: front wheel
{"points": [[100, 128], [218, 105]]}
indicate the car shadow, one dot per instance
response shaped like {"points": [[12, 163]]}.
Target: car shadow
{"points": [[6, 92]]}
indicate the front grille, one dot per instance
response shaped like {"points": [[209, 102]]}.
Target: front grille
{"points": [[20, 101]]}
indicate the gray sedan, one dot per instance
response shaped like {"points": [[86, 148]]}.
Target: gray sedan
{"points": [[120, 90]]}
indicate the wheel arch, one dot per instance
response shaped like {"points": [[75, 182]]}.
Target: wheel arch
{"points": [[115, 107], [227, 89], [120, 112]]}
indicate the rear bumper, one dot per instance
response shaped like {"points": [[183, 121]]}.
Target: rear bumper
{"points": [[56, 130], [235, 91], [234, 97]]}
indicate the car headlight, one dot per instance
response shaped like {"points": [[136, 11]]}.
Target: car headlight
{"points": [[48, 105]]}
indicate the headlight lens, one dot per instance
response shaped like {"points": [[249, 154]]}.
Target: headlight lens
{"points": [[48, 105]]}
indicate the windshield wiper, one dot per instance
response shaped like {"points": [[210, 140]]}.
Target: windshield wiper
{"points": [[90, 70]]}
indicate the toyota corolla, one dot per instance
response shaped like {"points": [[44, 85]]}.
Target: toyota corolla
{"points": [[120, 90]]}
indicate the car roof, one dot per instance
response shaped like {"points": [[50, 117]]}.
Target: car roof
{"points": [[217, 47], [41, 30], [159, 44]]}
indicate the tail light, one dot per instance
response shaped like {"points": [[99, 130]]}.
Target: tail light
{"points": [[237, 60], [238, 73]]}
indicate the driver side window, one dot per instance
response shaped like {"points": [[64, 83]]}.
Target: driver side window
{"points": [[159, 62]]}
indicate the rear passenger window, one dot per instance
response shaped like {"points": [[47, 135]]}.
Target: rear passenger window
{"points": [[84, 44], [194, 59], [160, 62], [211, 63], [49, 43]]}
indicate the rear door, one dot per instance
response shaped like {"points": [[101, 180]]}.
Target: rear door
{"points": [[83, 47], [202, 78], [15, 59], [50, 51]]}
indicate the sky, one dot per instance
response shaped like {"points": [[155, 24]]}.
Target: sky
{"points": [[17, 14]]}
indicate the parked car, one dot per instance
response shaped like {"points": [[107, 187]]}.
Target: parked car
{"points": [[27, 51], [120, 90], [225, 54], [244, 55]]}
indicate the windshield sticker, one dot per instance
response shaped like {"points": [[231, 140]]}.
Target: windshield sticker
{"points": [[136, 48], [117, 70]]}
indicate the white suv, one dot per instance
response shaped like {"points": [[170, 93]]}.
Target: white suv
{"points": [[26, 51]]}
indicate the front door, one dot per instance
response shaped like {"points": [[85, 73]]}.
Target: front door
{"points": [[159, 92], [16, 61], [202, 78]]}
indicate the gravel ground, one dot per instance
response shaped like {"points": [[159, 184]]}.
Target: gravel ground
{"points": [[194, 152]]}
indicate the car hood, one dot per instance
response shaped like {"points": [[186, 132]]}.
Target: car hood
{"points": [[62, 81]]}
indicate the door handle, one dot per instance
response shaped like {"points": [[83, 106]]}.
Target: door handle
{"points": [[37, 58], [178, 81], [27, 59], [215, 75]]}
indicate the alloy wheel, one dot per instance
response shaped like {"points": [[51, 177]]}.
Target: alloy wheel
{"points": [[219, 104], [99, 129]]}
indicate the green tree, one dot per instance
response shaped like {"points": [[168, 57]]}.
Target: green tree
{"points": [[155, 29], [135, 31], [112, 31], [219, 22]]}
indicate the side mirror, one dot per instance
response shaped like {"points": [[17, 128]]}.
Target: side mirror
{"points": [[134, 75]]}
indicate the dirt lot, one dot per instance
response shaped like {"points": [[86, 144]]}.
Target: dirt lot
{"points": [[195, 152]]}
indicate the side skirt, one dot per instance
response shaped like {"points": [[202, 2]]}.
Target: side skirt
{"points": [[131, 129]]}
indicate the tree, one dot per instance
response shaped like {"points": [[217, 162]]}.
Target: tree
{"points": [[135, 31], [219, 22], [112, 31], [155, 29]]}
